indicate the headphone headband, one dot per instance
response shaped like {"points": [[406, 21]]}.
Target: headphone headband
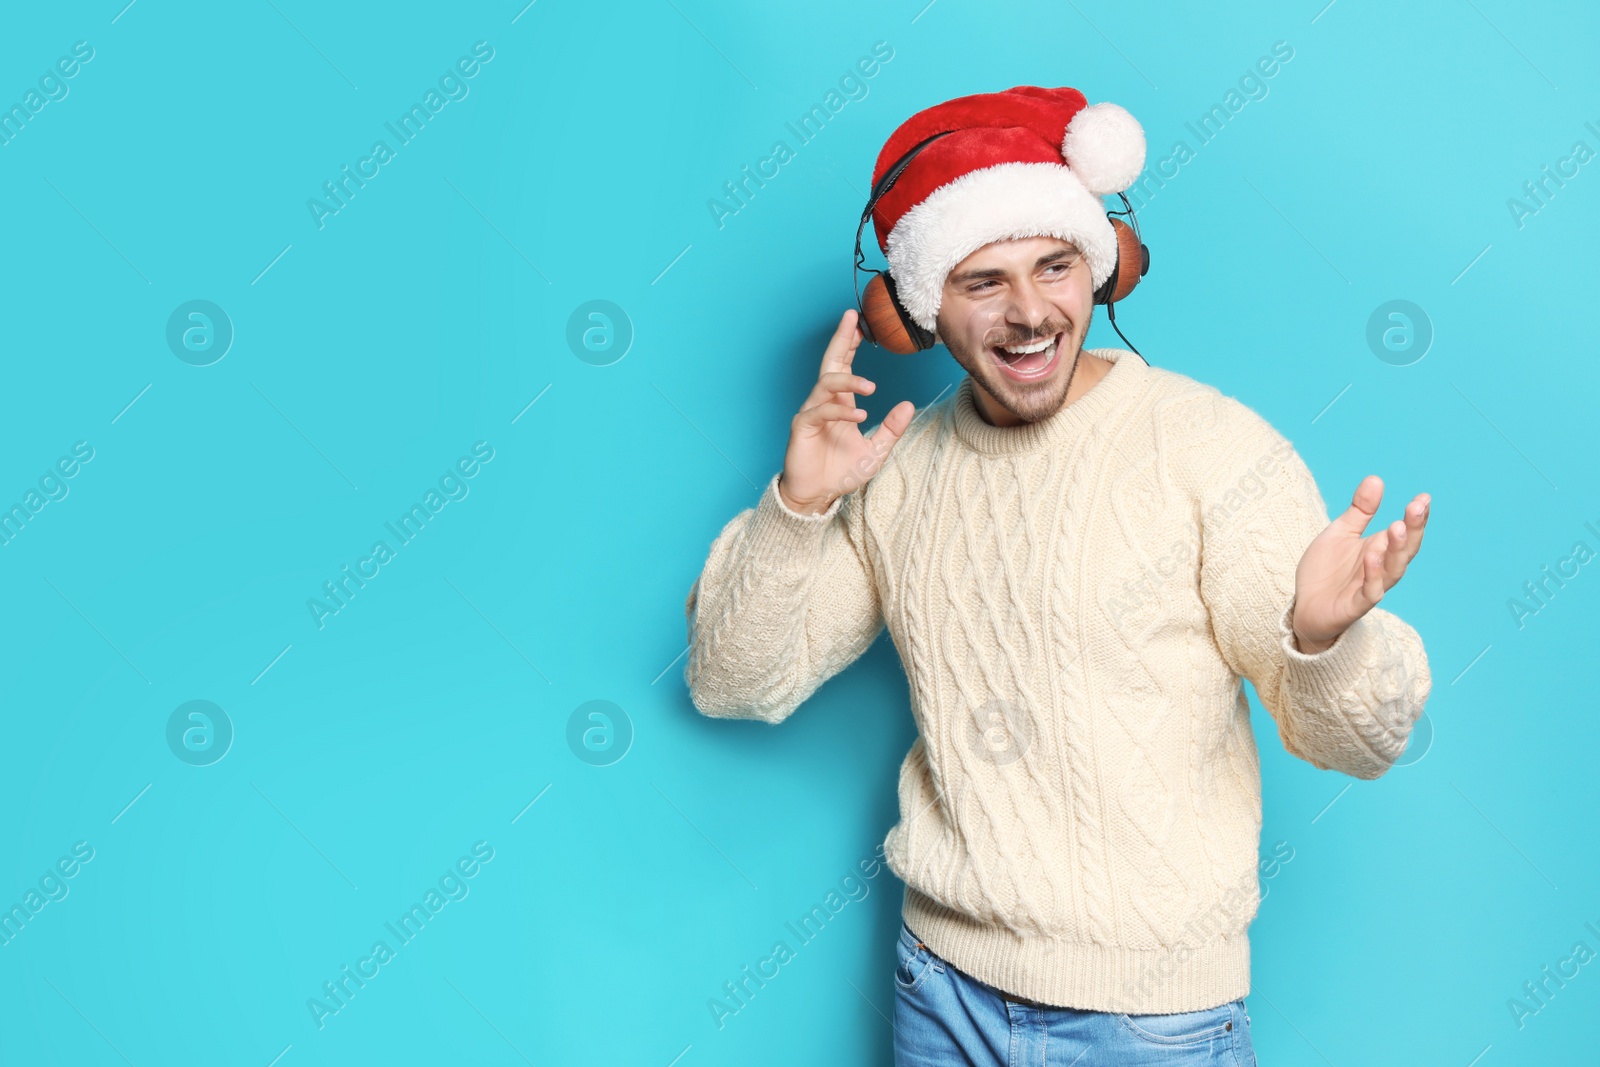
{"points": [[884, 184]]}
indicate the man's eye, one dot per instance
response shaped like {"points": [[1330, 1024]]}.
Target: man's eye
{"points": [[983, 287]]}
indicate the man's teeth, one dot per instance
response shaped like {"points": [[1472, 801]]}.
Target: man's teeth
{"points": [[1022, 350]]}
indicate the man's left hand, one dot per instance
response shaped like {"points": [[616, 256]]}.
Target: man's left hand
{"points": [[1343, 574]]}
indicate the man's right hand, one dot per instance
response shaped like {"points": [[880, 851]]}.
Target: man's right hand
{"points": [[828, 455]]}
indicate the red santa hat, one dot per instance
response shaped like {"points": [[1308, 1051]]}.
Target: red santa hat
{"points": [[1026, 162]]}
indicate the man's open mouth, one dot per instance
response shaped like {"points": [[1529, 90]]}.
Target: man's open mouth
{"points": [[1029, 361]]}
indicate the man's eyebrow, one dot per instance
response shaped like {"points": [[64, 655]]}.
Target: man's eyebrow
{"points": [[974, 275], [996, 272]]}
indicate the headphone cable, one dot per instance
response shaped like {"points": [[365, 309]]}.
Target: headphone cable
{"points": [[1111, 313]]}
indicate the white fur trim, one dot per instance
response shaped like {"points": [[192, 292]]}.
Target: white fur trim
{"points": [[1104, 146], [993, 204]]}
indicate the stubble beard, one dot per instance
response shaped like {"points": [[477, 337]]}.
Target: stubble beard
{"points": [[1028, 402]]}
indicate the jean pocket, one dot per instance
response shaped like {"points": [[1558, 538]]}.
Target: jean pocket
{"points": [[913, 960], [1182, 1027]]}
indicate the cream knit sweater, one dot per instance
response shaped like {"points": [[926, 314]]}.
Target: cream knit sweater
{"points": [[1074, 602]]}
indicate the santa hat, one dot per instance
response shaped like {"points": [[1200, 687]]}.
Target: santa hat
{"points": [[1026, 162]]}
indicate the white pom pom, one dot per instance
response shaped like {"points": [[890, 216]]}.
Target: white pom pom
{"points": [[1104, 147]]}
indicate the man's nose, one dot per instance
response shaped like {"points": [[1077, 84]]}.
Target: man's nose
{"points": [[1030, 308]]}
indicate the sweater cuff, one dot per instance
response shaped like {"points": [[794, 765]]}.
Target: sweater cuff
{"points": [[785, 537], [1327, 678]]}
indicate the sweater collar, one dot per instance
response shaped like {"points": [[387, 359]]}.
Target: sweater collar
{"points": [[1106, 394]]}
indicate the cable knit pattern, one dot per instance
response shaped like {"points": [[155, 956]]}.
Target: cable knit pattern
{"points": [[1075, 602]]}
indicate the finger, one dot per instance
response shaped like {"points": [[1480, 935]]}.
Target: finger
{"points": [[843, 381], [1397, 554], [1363, 505], [842, 346], [1405, 538], [887, 433], [835, 382], [1372, 587], [829, 412], [882, 438], [1417, 521]]}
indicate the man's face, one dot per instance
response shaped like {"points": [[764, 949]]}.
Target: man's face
{"points": [[1014, 314]]}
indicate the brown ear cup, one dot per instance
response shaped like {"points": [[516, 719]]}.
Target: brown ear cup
{"points": [[1133, 260], [886, 323]]}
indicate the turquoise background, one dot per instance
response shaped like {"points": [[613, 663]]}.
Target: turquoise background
{"points": [[431, 313]]}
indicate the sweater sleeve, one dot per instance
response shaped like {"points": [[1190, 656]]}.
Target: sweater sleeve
{"points": [[784, 602], [1350, 707]]}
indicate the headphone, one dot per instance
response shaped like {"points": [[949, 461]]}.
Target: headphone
{"points": [[885, 321]]}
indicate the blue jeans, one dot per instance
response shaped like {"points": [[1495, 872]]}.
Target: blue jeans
{"points": [[944, 1017]]}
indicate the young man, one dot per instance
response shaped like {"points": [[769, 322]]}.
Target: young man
{"points": [[1078, 557]]}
